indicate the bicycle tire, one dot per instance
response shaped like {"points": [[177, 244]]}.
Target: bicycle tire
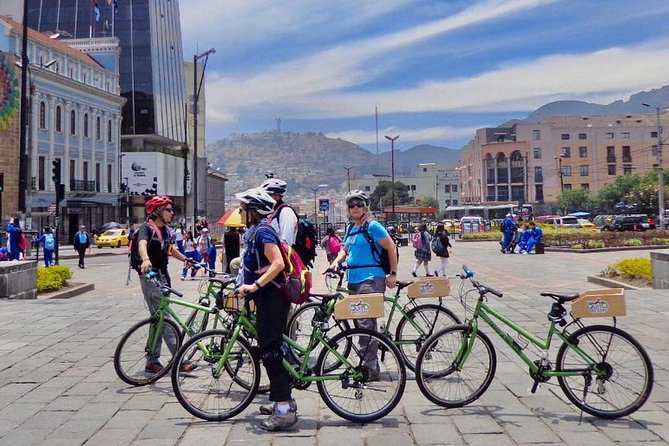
{"points": [[353, 401], [130, 353], [622, 371], [428, 324], [440, 381], [195, 390], [299, 330]]}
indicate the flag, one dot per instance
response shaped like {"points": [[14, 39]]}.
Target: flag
{"points": [[97, 12]]}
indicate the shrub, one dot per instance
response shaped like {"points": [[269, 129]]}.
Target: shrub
{"points": [[593, 244], [492, 235], [48, 280], [635, 268], [576, 246], [633, 242], [65, 272], [659, 241]]}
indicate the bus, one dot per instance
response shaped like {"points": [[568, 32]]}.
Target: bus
{"points": [[490, 211]]}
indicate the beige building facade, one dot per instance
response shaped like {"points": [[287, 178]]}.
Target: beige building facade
{"points": [[534, 162]]}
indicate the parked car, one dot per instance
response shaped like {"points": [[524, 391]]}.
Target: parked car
{"points": [[566, 223], [113, 237], [603, 222], [586, 224], [546, 218], [471, 224], [632, 223]]}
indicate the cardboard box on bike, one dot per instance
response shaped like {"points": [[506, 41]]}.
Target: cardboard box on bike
{"points": [[360, 306], [607, 302], [429, 287]]}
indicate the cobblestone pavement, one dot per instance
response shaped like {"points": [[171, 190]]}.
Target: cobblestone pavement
{"points": [[58, 385]]}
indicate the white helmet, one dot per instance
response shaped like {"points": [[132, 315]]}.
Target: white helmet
{"points": [[258, 200], [360, 195], [274, 186]]}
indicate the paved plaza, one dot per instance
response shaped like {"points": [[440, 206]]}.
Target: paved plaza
{"points": [[58, 385]]}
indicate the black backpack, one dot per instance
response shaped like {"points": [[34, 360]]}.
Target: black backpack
{"points": [[381, 258], [305, 241], [134, 259]]}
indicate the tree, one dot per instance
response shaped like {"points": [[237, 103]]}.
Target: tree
{"points": [[575, 200], [382, 195], [428, 202]]}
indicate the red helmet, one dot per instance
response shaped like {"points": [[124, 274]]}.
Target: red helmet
{"points": [[156, 202]]}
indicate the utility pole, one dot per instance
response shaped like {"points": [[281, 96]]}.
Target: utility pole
{"points": [[660, 173], [348, 177], [23, 152], [392, 170]]}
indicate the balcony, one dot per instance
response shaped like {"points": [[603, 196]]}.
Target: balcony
{"points": [[82, 186]]}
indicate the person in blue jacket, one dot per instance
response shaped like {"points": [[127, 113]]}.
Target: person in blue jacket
{"points": [[508, 228], [48, 240], [536, 236], [13, 237], [524, 238]]}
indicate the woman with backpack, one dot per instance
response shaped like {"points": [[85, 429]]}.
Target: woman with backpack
{"points": [[332, 244], [48, 241], [189, 252], [421, 244], [441, 245], [262, 268]]}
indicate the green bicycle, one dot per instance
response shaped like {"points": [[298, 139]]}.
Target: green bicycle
{"points": [[416, 322], [226, 371], [153, 336], [601, 369]]}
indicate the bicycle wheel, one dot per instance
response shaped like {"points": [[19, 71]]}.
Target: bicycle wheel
{"points": [[438, 376], [300, 329], [371, 397], [428, 319], [205, 395], [620, 381], [132, 351]]}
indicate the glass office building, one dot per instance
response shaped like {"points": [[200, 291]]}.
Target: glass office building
{"points": [[151, 61]]}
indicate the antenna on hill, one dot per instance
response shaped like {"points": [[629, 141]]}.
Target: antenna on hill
{"points": [[278, 124], [376, 119]]}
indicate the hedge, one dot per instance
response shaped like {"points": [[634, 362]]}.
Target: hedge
{"points": [[52, 278]]}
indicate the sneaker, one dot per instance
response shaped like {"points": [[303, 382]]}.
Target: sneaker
{"points": [[429, 275], [268, 409], [414, 274], [183, 278], [436, 274], [155, 367], [277, 421], [186, 367]]}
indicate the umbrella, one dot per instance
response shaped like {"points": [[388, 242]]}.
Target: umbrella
{"points": [[232, 218], [111, 225], [580, 214]]}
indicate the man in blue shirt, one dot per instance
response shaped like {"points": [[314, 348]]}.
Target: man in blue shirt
{"points": [[536, 236], [81, 242], [508, 228]]}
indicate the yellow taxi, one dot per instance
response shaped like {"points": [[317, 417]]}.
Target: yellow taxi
{"points": [[451, 225], [113, 237], [586, 225]]}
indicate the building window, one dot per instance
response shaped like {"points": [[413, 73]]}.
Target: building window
{"points": [[566, 187], [85, 125], [98, 131], [566, 171], [455, 202], [627, 170], [653, 134], [454, 188], [610, 154], [73, 173], [582, 136], [42, 115], [566, 152], [612, 169], [73, 123], [565, 137], [653, 150], [608, 135], [584, 170], [625, 135], [539, 192], [537, 153], [59, 118], [98, 176], [109, 178], [627, 154], [585, 186], [538, 175], [85, 171], [536, 135], [41, 173], [583, 152], [109, 131], [447, 188]]}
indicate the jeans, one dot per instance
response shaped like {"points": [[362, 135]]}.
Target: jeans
{"points": [[271, 321], [152, 297], [82, 253], [368, 349]]}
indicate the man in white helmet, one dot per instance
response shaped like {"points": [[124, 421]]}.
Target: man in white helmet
{"points": [[284, 220]]}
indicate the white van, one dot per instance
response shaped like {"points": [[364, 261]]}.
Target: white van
{"points": [[471, 224]]}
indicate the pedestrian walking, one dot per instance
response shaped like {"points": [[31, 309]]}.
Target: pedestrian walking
{"points": [[441, 246], [332, 244], [81, 242], [421, 243], [48, 242]]}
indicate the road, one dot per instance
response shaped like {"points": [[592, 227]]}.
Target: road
{"points": [[58, 385]]}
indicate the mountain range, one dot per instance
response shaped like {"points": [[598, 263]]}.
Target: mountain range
{"points": [[306, 160]]}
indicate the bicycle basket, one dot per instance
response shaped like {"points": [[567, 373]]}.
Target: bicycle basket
{"points": [[429, 287], [608, 302], [233, 303], [360, 306]]}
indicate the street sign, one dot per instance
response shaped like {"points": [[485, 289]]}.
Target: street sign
{"points": [[324, 204], [52, 209]]}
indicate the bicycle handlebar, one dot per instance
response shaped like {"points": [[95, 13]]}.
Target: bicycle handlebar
{"points": [[152, 276], [482, 289]]}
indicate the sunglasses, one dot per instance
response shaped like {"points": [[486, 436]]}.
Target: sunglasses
{"points": [[356, 205], [170, 210]]}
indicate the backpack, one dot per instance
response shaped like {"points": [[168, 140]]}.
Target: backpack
{"points": [[49, 242], [134, 259], [333, 245], [417, 240], [297, 284], [437, 246], [305, 241], [23, 241], [381, 258]]}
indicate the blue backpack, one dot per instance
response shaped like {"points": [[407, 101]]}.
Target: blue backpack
{"points": [[49, 242]]}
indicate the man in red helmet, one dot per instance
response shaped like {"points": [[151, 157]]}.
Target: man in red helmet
{"points": [[154, 247]]}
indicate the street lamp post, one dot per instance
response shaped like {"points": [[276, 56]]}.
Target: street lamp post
{"points": [[197, 86], [348, 177], [392, 140], [559, 159], [660, 173], [314, 190]]}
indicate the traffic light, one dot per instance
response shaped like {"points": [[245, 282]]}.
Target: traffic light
{"points": [[56, 171]]}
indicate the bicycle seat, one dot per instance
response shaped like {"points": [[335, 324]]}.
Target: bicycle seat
{"points": [[561, 297], [403, 283], [223, 282]]}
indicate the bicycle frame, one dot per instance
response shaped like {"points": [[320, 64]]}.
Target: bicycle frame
{"points": [[488, 314]]}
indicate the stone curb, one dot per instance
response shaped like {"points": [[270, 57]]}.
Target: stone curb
{"points": [[610, 283], [619, 248], [75, 289]]}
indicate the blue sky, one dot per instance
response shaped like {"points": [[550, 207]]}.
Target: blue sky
{"points": [[436, 70]]}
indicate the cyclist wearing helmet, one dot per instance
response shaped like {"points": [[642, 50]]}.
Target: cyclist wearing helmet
{"points": [[154, 245], [284, 220], [262, 267], [365, 274]]}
